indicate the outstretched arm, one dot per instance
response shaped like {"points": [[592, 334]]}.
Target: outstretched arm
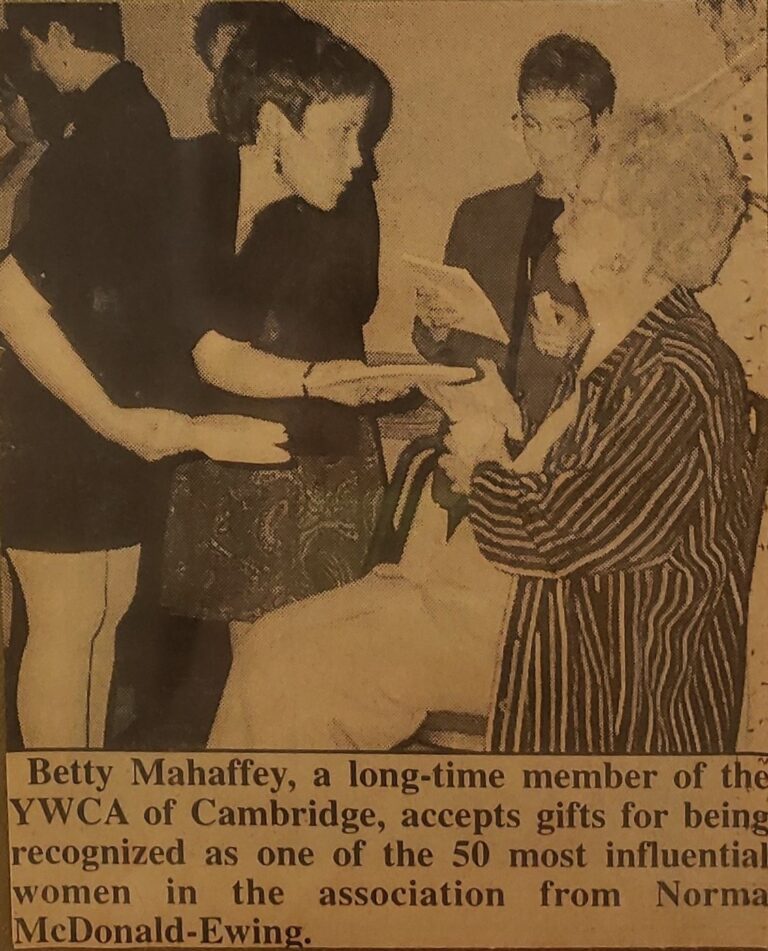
{"points": [[238, 367], [41, 347], [39, 344]]}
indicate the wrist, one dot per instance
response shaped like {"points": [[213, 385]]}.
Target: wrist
{"points": [[111, 421], [495, 450], [193, 432], [511, 422]]}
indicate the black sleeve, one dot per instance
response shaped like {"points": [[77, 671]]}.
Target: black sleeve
{"points": [[130, 204], [459, 348], [351, 251], [461, 233], [201, 301], [42, 233]]}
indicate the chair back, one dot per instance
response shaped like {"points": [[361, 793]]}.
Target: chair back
{"points": [[401, 498]]}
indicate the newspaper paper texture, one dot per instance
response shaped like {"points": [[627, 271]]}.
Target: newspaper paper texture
{"points": [[383, 468]]}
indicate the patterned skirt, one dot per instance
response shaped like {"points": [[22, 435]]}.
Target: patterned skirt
{"points": [[242, 541]]}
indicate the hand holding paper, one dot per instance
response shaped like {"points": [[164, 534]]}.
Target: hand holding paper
{"points": [[448, 298]]}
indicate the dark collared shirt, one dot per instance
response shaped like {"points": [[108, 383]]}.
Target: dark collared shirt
{"points": [[96, 247], [96, 244], [627, 628]]}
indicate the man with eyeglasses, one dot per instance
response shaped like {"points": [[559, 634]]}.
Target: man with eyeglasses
{"points": [[505, 239], [501, 237]]}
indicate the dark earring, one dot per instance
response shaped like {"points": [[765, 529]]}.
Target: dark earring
{"points": [[278, 164]]}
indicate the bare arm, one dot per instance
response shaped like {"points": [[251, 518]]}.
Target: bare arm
{"points": [[238, 367], [38, 343], [36, 339]]}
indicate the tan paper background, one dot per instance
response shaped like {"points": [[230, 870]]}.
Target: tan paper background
{"points": [[454, 64]]}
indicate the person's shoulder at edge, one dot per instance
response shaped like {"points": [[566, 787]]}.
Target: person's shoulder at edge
{"points": [[692, 348], [501, 198], [125, 106], [208, 145]]}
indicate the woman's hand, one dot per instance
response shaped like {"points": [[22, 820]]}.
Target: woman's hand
{"points": [[240, 439], [558, 329], [156, 433], [469, 443], [150, 433], [479, 400], [482, 415]]}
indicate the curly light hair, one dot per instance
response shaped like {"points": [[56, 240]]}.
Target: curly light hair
{"points": [[678, 179]]}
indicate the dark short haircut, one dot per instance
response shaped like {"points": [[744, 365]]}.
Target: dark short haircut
{"points": [[213, 16], [563, 63], [297, 63], [96, 27]]}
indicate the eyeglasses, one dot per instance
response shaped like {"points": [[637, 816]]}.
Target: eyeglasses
{"points": [[529, 123]]}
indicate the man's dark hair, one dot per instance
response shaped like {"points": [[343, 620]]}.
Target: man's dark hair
{"points": [[293, 65], [563, 63], [213, 16], [95, 27]]}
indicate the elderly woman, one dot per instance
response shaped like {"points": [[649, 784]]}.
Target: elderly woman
{"points": [[620, 626]]}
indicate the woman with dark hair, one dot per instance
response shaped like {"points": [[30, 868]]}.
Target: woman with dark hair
{"points": [[273, 278], [89, 356], [218, 22]]}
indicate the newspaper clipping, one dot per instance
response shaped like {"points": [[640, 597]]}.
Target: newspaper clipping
{"points": [[383, 469]]}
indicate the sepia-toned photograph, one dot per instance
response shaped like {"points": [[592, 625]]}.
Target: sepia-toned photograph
{"points": [[384, 376]]}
